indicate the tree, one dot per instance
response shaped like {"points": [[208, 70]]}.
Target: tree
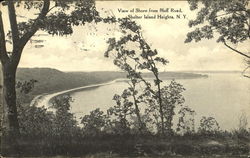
{"points": [[122, 60], [146, 59], [121, 110], [229, 19], [186, 120], [171, 98], [243, 122], [208, 125], [54, 17], [134, 55], [65, 125], [33, 121], [94, 123]]}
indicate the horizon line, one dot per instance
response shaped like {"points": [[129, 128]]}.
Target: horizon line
{"points": [[123, 71]]}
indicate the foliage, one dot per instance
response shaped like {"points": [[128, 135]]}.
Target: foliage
{"points": [[186, 120], [54, 17], [57, 17], [35, 121], [94, 123], [208, 125], [242, 131], [65, 124], [40, 135], [132, 54], [243, 122], [171, 97], [24, 89], [122, 110], [26, 86], [229, 19]]}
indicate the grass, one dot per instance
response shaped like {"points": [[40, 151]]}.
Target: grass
{"points": [[107, 155], [137, 146]]}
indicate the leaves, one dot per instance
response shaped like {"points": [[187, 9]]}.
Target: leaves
{"points": [[230, 19], [208, 125], [64, 121], [94, 123], [161, 60], [26, 86], [58, 23], [133, 55], [128, 24], [186, 120], [61, 20], [35, 121]]}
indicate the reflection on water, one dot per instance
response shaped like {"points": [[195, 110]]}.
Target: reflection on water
{"points": [[221, 95]]}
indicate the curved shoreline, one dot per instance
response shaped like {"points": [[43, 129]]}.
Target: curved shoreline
{"points": [[45, 100]]}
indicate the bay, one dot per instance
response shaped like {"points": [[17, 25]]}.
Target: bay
{"points": [[224, 96]]}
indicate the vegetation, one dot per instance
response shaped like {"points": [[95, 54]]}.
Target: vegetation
{"points": [[226, 20], [230, 19], [55, 18], [115, 134], [141, 122], [160, 100], [125, 129], [45, 133]]}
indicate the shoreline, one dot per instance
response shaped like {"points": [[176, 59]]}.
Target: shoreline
{"points": [[45, 99]]}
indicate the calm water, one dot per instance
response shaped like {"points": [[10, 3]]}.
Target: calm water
{"points": [[223, 96]]}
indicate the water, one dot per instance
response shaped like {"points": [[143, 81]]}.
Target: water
{"points": [[224, 96]]}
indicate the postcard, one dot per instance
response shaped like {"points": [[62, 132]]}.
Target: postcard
{"points": [[88, 78]]}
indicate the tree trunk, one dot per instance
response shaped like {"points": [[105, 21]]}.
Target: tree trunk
{"points": [[11, 131], [1, 103], [137, 112], [161, 109]]}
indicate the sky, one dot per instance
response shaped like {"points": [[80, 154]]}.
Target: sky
{"points": [[84, 49]]}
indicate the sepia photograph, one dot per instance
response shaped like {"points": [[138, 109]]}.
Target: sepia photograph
{"points": [[125, 78]]}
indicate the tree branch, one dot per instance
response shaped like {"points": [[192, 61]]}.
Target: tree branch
{"points": [[51, 8], [3, 52], [244, 71], [245, 55], [36, 25], [31, 31], [222, 15], [13, 22]]}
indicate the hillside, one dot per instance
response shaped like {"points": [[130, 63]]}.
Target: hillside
{"points": [[52, 80]]}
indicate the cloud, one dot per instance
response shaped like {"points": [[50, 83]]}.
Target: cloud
{"points": [[84, 49]]}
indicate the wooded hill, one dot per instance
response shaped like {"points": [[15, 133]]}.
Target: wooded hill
{"points": [[52, 80]]}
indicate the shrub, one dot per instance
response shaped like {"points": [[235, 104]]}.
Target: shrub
{"points": [[35, 121], [208, 125], [94, 123], [64, 123]]}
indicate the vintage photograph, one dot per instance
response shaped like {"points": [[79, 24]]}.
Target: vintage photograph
{"points": [[113, 79]]}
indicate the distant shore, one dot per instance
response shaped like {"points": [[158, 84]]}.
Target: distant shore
{"points": [[45, 100], [55, 82]]}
